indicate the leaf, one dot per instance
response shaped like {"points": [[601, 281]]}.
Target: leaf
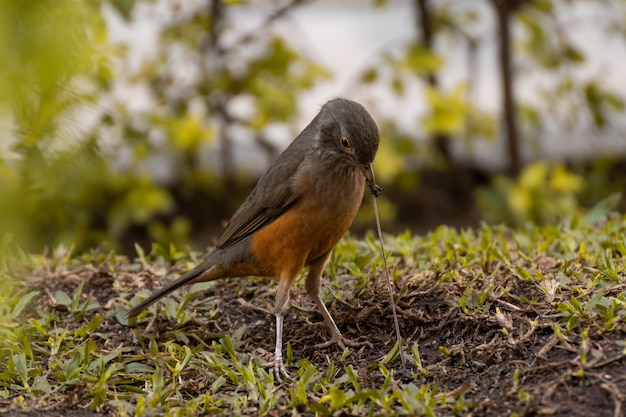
{"points": [[138, 368], [369, 76], [337, 397], [62, 298], [352, 377], [419, 59], [23, 302], [71, 367], [19, 362], [125, 7], [564, 181], [448, 111], [603, 207], [41, 384]]}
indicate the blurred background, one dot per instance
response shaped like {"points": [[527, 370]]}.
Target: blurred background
{"points": [[126, 121]]}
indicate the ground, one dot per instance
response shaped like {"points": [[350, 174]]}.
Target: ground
{"points": [[495, 346]]}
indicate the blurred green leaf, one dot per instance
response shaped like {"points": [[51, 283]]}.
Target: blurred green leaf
{"points": [[418, 59], [544, 193], [447, 111], [125, 7], [603, 207]]}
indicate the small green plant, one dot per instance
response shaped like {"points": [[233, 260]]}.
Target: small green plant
{"points": [[471, 296], [543, 194]]}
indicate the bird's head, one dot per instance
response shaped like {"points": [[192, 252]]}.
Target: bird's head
{"points": [[348, 131]]}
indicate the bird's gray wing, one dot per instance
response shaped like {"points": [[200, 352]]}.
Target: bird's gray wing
{"points": [[272, 196]]}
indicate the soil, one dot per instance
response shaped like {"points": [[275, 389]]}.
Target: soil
{"points": [[531, 375]]}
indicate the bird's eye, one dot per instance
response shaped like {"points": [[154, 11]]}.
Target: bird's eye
{"points": [[345, 143]]}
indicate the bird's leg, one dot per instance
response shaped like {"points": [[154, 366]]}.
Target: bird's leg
{"points": [[313, 284], [280, 308], [279, 366], [336, 336]]}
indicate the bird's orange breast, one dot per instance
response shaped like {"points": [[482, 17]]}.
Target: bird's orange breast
{"points": [[304, 233]]}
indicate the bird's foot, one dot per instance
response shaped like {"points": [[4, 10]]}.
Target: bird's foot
{"points": [[280, 370], [342, 342]]}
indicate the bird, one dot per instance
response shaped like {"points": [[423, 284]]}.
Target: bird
{"points": [[296, 214]]}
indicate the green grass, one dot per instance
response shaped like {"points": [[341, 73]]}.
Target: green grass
{"points": [[65, 341]]}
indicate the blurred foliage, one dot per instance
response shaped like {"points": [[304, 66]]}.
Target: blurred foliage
{"points": [[544, 46], [454, 115], [604, 177], [544, 194], [547, 42], [12, 258], [451, 111], [51, 49], [105, 141], [547, 192]]}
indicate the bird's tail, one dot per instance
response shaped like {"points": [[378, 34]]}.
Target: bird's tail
{"points": [[182, 280]]}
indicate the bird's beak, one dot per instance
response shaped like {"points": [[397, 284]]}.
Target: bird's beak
{"points": [[368, 172]]}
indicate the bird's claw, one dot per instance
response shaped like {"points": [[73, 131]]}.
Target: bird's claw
{"points": [[280, 371]]}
